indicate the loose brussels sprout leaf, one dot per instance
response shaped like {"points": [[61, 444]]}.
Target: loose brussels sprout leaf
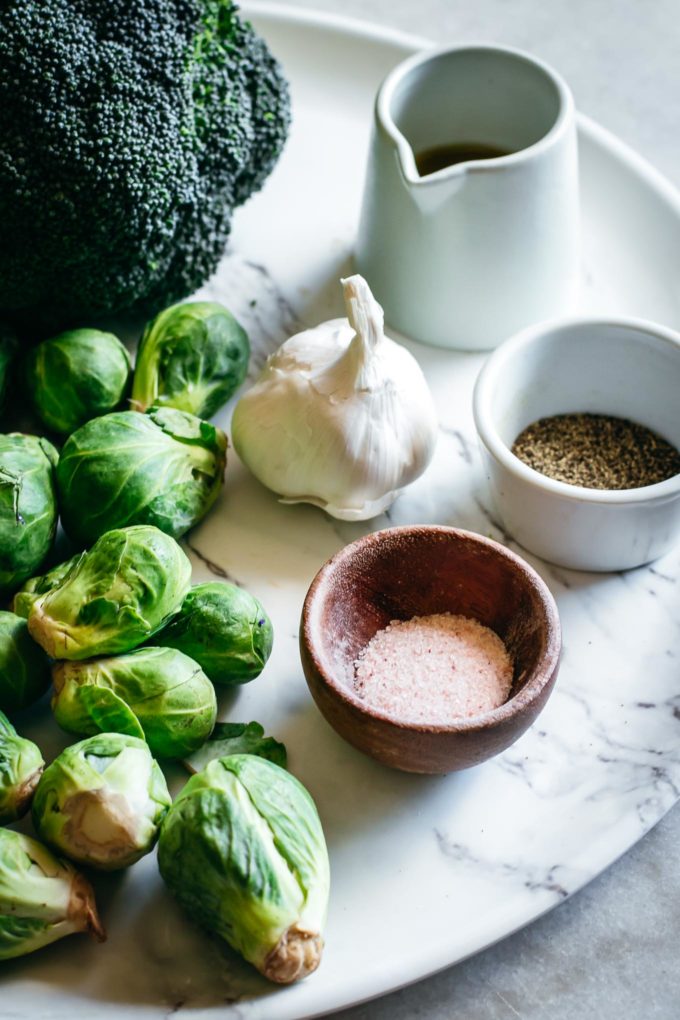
{"points": [[24, 667], [37, 586], [28, 507], [155, 693], [76, 376], [8, 349], [243, 851], [21, 765], [115, 597], [101, 802], [224, 629], [163, 468], [42, 898], [237, 738], [192, 356]]}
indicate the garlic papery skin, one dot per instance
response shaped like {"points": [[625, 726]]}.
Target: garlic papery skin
{"points": [[340, 417]]}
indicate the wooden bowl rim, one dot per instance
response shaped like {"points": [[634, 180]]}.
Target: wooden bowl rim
{"points": [[540, 677]]}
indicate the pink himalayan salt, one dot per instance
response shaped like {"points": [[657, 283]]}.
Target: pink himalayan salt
{"points": [[434, 669]]}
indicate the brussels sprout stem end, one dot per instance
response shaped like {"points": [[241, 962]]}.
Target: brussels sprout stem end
{"points": [[296, 955], [82, 909]]}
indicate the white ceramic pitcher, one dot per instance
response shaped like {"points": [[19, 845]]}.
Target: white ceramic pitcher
{"points": [[466, 256]]}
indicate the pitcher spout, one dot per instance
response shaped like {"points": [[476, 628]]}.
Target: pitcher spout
{"points": [[429, 191]]}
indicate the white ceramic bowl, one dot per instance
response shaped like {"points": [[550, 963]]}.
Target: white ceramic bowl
{"points": [[623, 367]]}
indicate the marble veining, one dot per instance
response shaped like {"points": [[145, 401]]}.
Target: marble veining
{"points": [[210, 565], [531, 876]]}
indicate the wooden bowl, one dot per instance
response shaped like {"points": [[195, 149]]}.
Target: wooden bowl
{"points": [[416, 571]]}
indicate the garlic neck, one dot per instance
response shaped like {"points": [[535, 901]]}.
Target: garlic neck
{"points": [[367, 320]]}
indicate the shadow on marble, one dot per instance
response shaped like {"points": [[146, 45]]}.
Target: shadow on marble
{"points": [[324, 300]]}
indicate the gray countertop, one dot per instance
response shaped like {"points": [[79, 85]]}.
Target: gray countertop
{"points": [[609, 953]]}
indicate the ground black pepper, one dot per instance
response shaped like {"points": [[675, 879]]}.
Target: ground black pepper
{"points": [[597, 451]]}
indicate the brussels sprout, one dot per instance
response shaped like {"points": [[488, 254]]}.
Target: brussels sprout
{"points": [[76, 376], [224, 629], [243, 851], [115, 597], [21, 765], [31, 591], [158, 694], [28, 506], [42, 898], [24, 667], [192, 356], [101, 802], [8, 349], [163, 468]]}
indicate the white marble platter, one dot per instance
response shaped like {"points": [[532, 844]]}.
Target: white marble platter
{"points": [[425, 870]]}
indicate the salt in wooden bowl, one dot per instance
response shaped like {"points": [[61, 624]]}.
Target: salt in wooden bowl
{"points": [[418, 571]]}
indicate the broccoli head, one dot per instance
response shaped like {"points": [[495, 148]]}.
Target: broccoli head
{"points": [[129, 131]]}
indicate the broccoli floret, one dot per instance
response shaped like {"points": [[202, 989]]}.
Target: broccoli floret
{"points": [[129, 131]]}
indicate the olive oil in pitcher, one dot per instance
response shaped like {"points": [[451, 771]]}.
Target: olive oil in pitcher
{"points": [[428, 161]]}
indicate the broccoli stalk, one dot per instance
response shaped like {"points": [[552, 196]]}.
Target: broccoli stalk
{"points": [[130, 131]]}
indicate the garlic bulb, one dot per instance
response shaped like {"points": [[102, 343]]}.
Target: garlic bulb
{"points": [[340, 417]]}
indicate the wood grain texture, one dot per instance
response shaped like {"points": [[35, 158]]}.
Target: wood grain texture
{"points": [[416, 571]]}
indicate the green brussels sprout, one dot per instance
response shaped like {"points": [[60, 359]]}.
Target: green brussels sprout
{"points": [[37, 586], [42, 898], [192, 356], [75, 376], [21, 765], [101, 802], [163, 468], [224, 629], [115, 597], [8, 349], [28, 507], [157, 694], [24, 667], [243, 851]]}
